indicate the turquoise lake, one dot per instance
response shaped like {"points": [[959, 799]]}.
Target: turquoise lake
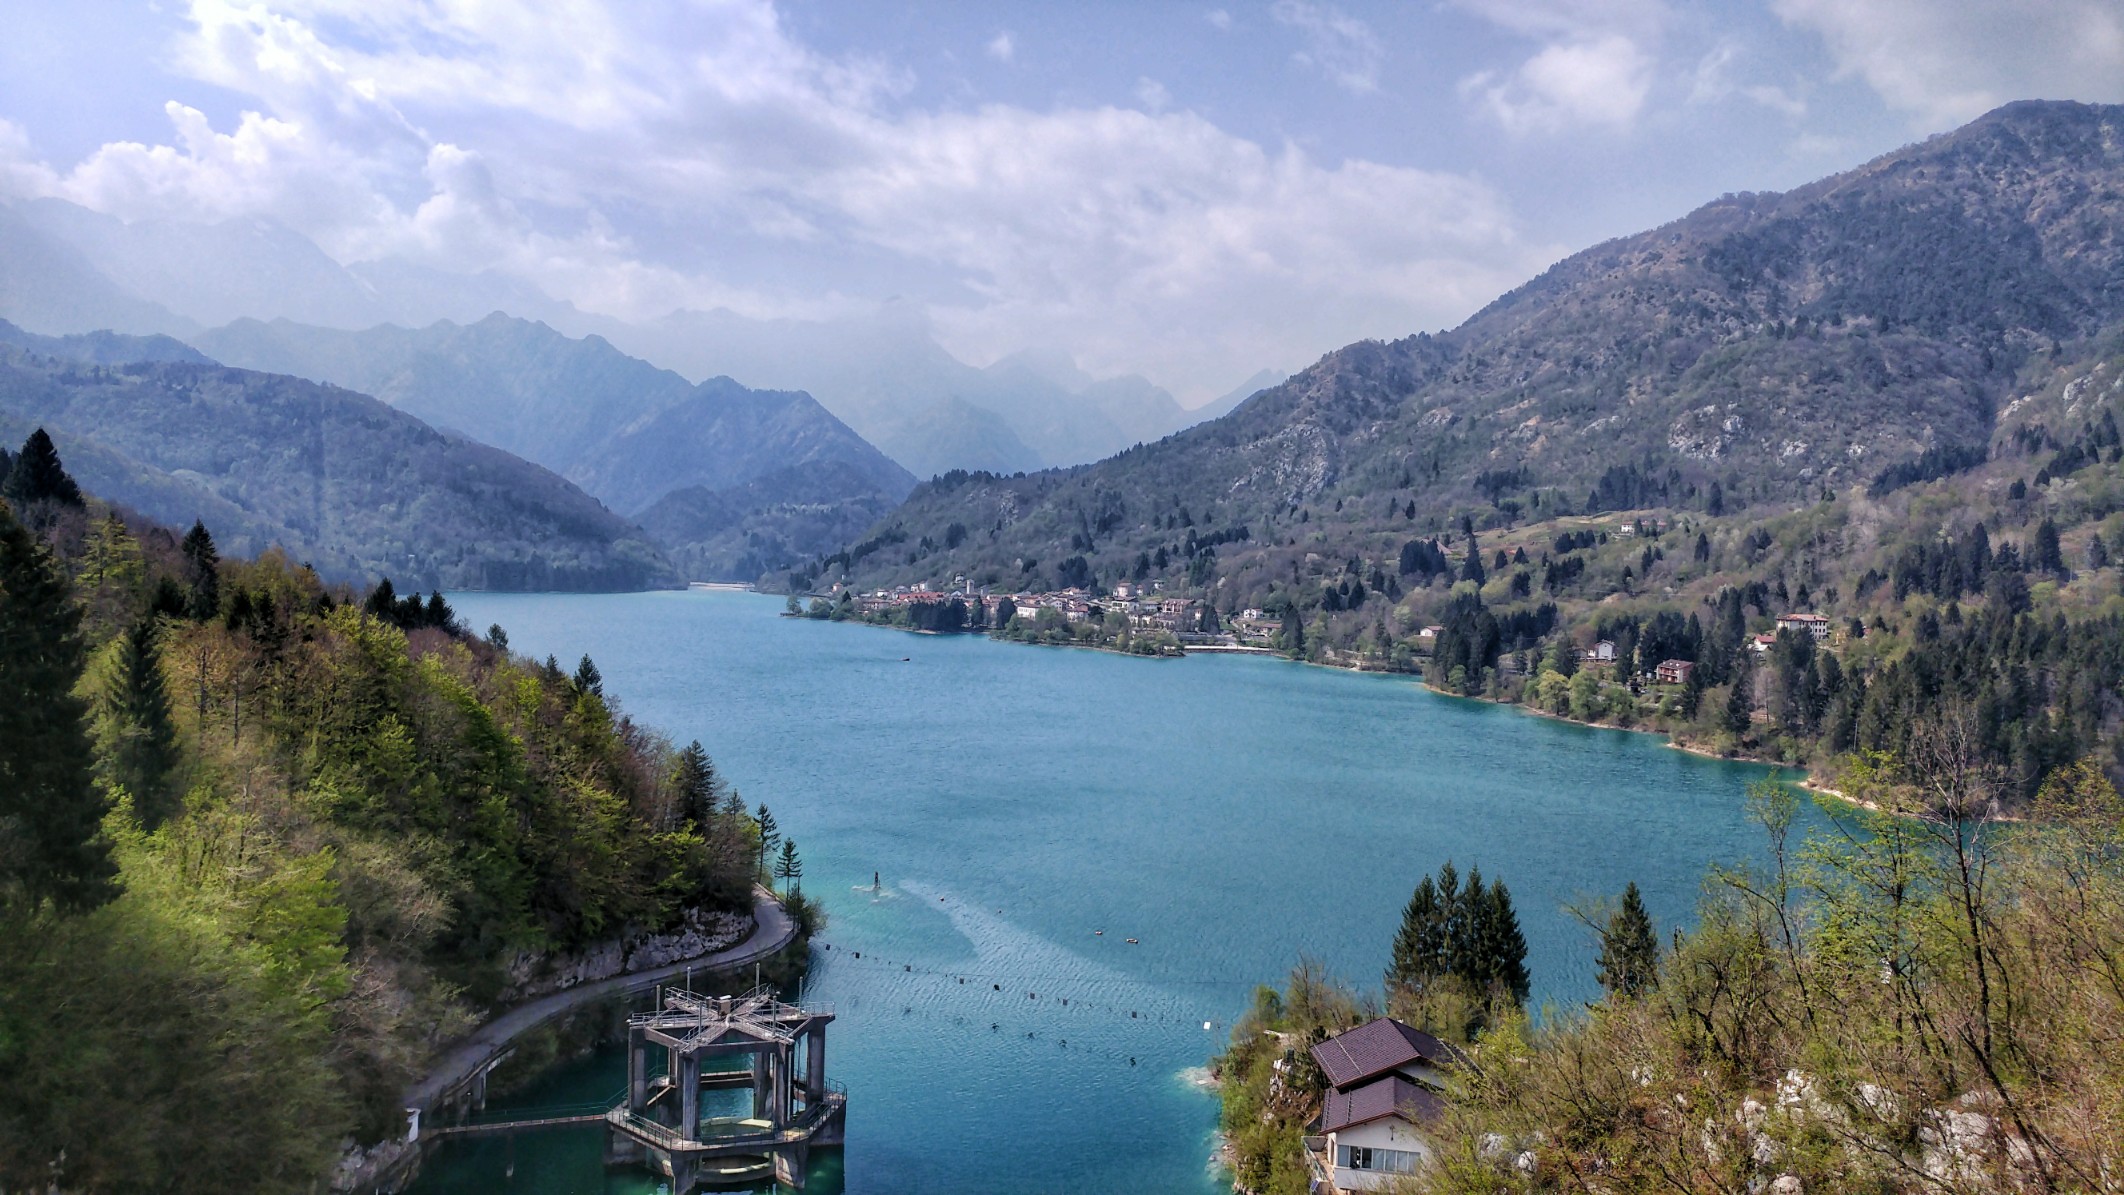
{"points": [[1228, 813]]}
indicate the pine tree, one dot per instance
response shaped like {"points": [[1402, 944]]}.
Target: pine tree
{"points": [[1629, 950], [1503, 953], [1419, 946], [788, 867], [2097, 553], [137, 738], [38, 476], [768, 834], [2048, 556], [588, 679], [696, 783], [1465, 930], [498, 637], [50, 810], [1740, 703], [203, 574]]}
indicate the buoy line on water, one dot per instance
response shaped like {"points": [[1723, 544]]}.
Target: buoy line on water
{"points": [[1153, 1011]]}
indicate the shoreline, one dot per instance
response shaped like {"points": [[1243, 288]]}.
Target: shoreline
{"points": [[467, 1060]]}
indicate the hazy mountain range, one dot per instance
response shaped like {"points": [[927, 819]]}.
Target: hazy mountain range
{"points": [[1763, 348], [64, 268], [337, 479]]}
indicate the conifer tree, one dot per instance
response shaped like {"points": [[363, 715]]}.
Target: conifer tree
{"points": [[1419, 946], [696, 784], [1629, 950], [769, 836], [138, 739], [2047, 556], [203, 574], [2097, 553], [50, 811], [38, 476], [1740, 702], [788, 867], [498, 637], [588, 679], [1502, 956]]}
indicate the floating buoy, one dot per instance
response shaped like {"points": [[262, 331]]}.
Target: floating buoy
{"points": [[859, 954], [907, 967], [997, 986]]}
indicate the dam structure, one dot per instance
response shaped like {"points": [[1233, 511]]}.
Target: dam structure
{"points": [[692, 1043]]}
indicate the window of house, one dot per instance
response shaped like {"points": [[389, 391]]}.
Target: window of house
{"points": [[1365, 1157]]}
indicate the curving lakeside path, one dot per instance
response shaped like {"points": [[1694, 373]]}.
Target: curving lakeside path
{"points": [[772, 930]]}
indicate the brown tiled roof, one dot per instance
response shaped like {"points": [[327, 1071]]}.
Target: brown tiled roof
{"points": [[1374, 1048], [1391, 1096]]}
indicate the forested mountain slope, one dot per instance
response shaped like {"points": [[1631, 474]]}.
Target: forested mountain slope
{"points": [[1761, 350], [273, 843], [622, 429], [333, 477]]}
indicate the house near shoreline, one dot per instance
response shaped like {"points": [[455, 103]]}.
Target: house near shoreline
{"points": [[1382, 1099], [1673, 672]]}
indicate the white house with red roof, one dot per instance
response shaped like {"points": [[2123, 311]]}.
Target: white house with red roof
{"points": [[1383, 1079]]}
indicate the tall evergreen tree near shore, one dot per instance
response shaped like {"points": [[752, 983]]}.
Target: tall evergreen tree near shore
{"points": [[1469, 934], [1629, 950], [788, 867], [51, 844], [696, 783], [769, 835]]}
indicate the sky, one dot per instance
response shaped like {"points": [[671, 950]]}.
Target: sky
{"points": [[1188, 191]]}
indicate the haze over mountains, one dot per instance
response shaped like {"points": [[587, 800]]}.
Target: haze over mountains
{"points": [[334, 478], [64, 268], [1770, 346]]}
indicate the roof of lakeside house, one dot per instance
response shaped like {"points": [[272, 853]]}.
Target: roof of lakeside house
{"points": [[1391, 1096], [1376, 1047]]}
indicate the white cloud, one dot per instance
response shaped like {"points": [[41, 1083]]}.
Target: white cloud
{"points": [[22, 173], [1337, 44], [620, 157], [1946, 61], [1219, 18], [1718, 79], [1594, 68], [1002, 47], [1601, 82]]}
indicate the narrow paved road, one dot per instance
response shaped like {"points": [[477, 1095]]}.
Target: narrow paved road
{"points": [[772, 930]]}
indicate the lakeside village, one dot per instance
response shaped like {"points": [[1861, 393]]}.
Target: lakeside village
{"points": [[1142, 619]]}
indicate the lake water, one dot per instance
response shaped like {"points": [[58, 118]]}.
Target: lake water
{"points": [[1227, 813]]}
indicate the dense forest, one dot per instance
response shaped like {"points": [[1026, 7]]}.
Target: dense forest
{"points": [[266, 843]]}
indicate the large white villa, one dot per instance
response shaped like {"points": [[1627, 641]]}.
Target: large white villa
{"points": [[1382, 1079]]}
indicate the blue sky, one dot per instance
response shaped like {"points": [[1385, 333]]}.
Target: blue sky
{"points": [[1190, 191]]}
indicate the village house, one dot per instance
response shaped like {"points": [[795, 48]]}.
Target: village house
{"points": [[1761, 644], [1383, 1079], [1673, 672], [1430, 632], [1602, 652], [1814, 624]]}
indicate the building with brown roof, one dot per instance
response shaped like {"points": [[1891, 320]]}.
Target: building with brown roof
{"points": [[1382, 1094]]}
